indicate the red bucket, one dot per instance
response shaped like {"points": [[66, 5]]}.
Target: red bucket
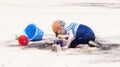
{"points": [[23, 40]]}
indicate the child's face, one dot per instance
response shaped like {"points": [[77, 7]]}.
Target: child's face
{"points": [[61, 31]]}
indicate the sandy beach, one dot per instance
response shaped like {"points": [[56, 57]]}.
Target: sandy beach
{"points": [[102, 16]]}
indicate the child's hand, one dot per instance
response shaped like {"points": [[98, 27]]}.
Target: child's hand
{"points": [[64, 48], [62, 36]]}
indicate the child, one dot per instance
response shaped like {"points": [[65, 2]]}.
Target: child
{"points": [[78, 34]]}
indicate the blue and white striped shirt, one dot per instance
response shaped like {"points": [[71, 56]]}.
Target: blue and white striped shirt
{"points": [[72, 27]]}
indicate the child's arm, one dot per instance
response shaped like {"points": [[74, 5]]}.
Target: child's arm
{"points": [[62, 36], [70, 39]]}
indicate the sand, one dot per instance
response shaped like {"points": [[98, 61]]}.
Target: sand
{"points": [[13, 55], [102, 16]]}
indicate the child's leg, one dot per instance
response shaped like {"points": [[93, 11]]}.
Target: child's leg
{"points": [[73, 44], [78, 43], [95, 44]]}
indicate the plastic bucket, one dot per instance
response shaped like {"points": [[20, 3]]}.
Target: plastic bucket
{"points": [[33, 32]]}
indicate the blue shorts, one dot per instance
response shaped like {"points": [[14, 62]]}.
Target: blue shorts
{"points": [[83, 35]]}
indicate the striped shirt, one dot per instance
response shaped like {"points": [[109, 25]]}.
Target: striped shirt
{"points": [[72, 27]]}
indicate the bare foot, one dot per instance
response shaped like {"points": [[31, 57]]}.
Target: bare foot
{"points": [[92, 43]]}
